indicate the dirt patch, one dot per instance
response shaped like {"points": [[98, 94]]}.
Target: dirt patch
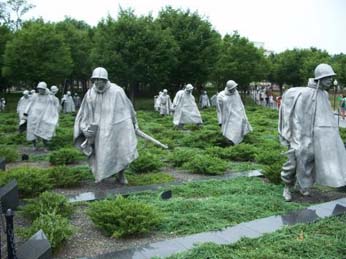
{"points": [[318, 196]]}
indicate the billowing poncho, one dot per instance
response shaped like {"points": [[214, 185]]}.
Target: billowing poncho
{"points": [[68, 104], [115, 145], [43, 117], [204, 101], [307, 125], [186, 110], [231, 114], [165, 104], [21, 106]]}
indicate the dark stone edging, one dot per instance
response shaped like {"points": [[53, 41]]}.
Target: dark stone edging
{"points": [[251, 229]]}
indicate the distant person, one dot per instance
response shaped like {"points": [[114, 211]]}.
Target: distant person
{"points": [[68, 103], [77, 100], [204, 100], [185, 108], [231, 114], [2, 104], [343, 106], [165, 103]]}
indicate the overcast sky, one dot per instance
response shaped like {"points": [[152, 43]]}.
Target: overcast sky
{"points": [[279, 24]]}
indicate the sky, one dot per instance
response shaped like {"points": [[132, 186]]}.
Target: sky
{"points": [[279, 24]]}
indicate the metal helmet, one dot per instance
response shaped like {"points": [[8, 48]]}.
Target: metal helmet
{"points": [[165, 91], [100, 72], [54, 88], [25, 92], [42, 85], [189, 87], [68, 92], [231, 84], [323, 70]]}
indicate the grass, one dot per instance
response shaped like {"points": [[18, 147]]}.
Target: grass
{"points": [[210, 205], [323, 239]]}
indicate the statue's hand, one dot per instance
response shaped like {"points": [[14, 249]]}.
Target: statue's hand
{"points": [[89, 133]]}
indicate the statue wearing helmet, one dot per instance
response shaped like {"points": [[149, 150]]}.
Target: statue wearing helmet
{"points": [[22, 104], [185, 108], [42, 116], [308, 128], [165, 103], [204, 100], [105, 128], [231, 114], [68, 103]]}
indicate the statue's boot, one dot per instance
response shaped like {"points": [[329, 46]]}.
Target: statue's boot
{"points": [[287, 194], [121, 178]]}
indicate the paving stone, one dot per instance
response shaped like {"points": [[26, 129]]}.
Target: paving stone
{"points": [[37, 247], [9, 196]]}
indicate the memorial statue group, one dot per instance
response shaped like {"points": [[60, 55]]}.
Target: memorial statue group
{"points": [[106, 126]]}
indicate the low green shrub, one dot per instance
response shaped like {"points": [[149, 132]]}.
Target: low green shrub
{"points": [[48, 202], [64, 176], [205, 164], [272, 172], [269, 157], [56, 227], [183, 154], [122, 217], [9, 153], [146, 162], [241, 152], [31, 181], [64, 156]]}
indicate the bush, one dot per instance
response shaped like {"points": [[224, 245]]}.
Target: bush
{"points": [[56, 228], [64, 156], [63, 176], [9, 153], [182, 155], [272, 172], [146, 162], [241, 152], [270, 157], [48, 202], [31, 181], [123, 217], [205, 164]]}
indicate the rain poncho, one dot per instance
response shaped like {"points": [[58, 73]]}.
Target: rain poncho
{"points": [[68, 104], [185, 109], [43, 116], [21, 106], [115, 142], [231, 115], [204, 101], [308, 127], [157, 102], [165, 104], [213, 100]]}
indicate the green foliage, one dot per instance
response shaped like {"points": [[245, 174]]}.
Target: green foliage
{"points": [[149, 178], [123, 217], [37, 51], [322, 239], [146, 162], [56, 227], [48, 202], [182, 155], [9, 153], [205, 164], [63, 176], [64, 156], [242, 152], [269, 157], [272, 172], [31, 181]]}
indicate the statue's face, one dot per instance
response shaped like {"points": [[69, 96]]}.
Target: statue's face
{"points": [[100, 83], [230, 90], [188, 91], [41, 91], [326, 82]]}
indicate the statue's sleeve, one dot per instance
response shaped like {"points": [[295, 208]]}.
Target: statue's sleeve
{"points": [[219, 105]]}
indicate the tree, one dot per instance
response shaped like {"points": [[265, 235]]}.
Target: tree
{"points": [[339, 64], [240, 61], [37, 53], [198, 45], [12, 11], [77, 37], [5, 37], [135, 51]]}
